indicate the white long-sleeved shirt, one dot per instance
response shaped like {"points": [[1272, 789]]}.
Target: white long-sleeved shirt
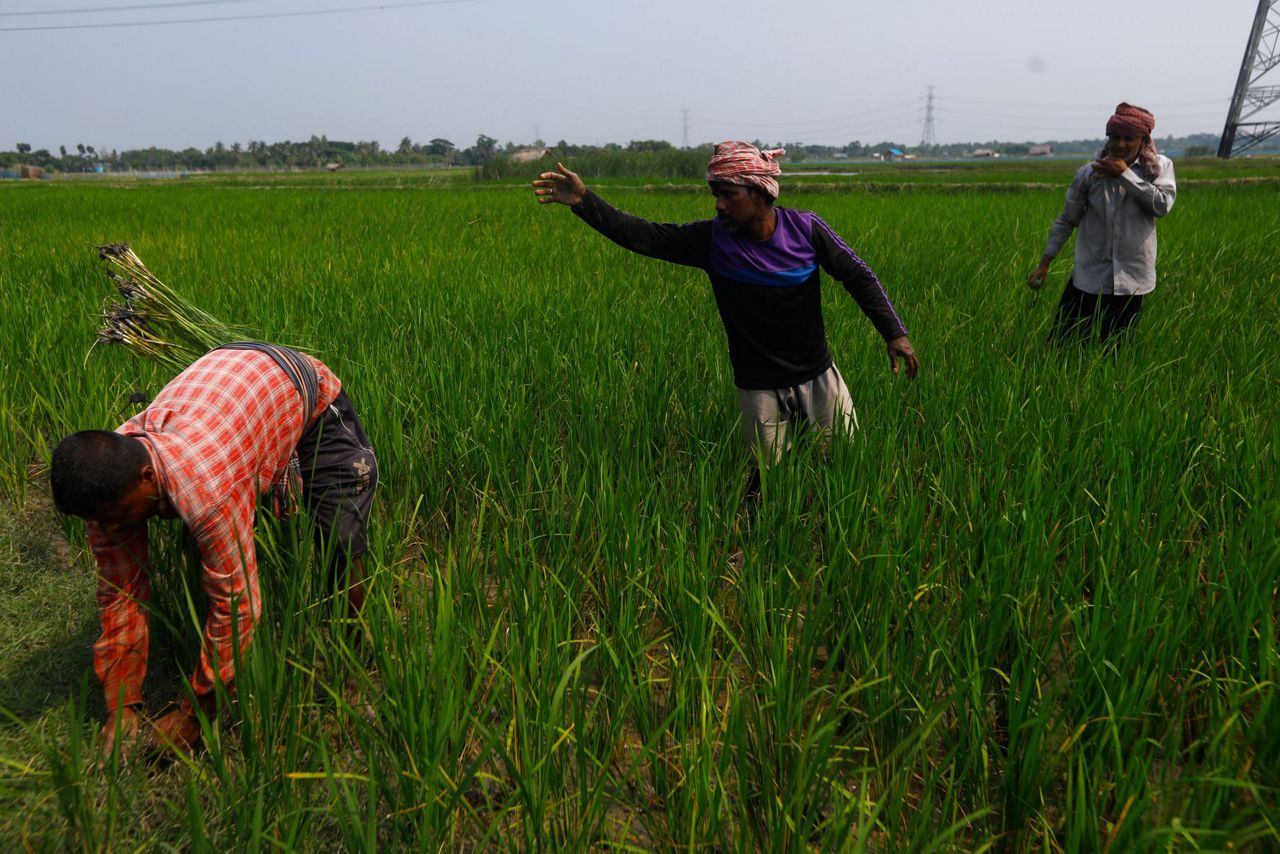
{"points": [[1116, 246]]}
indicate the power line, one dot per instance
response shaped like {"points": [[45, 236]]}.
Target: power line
{"points": [[122, 8], [378, 8], [593, 136], [910, 116], [897, 107], [1056, 108], [943, 105]]}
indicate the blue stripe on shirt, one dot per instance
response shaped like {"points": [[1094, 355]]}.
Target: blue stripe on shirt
{"points": [[774, 278]]}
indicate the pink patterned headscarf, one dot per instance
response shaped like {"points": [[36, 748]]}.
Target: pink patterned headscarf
{"points": [[742, 163], [1129, 120]]}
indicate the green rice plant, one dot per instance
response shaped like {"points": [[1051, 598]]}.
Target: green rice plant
{"points": [[1029, 605]]}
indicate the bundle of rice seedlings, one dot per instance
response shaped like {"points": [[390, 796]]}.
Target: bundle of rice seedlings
{"points": [[154, 321]]}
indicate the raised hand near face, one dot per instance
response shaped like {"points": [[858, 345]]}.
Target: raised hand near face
{"points": [[1110, 167]]}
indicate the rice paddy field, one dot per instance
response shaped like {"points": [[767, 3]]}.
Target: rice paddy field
{"points": [[1032, 606]]}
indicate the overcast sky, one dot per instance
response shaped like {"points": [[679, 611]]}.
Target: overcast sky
{"points": [[596, 71]]}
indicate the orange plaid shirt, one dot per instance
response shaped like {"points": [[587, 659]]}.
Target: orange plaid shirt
{"points": [[219, 435]]}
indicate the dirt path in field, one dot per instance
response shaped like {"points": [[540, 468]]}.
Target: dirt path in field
{"points": [[48, 619]]}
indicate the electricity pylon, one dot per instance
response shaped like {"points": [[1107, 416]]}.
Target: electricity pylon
{"points": [[1260, 56], [927, 139]]}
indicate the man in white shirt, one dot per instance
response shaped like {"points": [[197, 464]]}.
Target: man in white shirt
{"points": [[1115, 201]]}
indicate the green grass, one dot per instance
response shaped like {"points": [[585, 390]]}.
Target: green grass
{"points": [[1031, 606]]}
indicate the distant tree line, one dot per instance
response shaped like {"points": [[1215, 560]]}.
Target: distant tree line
{"points": [[638, 158], [660, 159], [317, 152]]}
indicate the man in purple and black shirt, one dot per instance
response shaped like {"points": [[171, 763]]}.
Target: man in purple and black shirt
{"points": [[763, 264]]}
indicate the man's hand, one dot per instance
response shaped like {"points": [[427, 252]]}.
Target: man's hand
{"points": [[1038, 276], [179, 731], [563, 186], [902, 347], [1110, 167], [121, 728]]}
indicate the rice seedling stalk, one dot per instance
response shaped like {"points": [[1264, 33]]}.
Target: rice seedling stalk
{"points": [[155, 321]]}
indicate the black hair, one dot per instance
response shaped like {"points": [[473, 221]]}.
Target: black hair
{"points": [[93, 469]]}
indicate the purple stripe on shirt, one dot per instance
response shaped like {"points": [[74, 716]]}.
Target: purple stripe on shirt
{"points": [[787, 249], [862, 265]]}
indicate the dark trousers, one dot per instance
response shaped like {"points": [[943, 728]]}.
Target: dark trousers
{"points": [[339, 476], [1079, 313]]}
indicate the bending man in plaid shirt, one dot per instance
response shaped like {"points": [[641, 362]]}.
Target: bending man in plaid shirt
{"points": [[240, 422]]}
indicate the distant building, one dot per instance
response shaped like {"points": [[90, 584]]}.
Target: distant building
{"points": [[528, 155], [893, 154], [333, 167], [31, 171], [1040, 150], [984, 152]]}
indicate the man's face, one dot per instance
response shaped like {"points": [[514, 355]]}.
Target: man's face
{"points": [[134, 507], [736, 206], [1124, 146]]}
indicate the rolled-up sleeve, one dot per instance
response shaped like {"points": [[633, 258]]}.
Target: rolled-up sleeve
{"points": [[1156, 196]]}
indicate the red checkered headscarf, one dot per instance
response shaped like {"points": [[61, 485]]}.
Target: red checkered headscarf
{"points": [[742, 163], [1129, 120]]}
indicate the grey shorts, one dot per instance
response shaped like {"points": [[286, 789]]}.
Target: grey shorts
{"points": [[339, 477], [771, 417]]}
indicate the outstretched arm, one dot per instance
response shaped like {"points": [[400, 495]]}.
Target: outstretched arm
{"points": [[562, 186], [687, 244], [844, 265]]}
